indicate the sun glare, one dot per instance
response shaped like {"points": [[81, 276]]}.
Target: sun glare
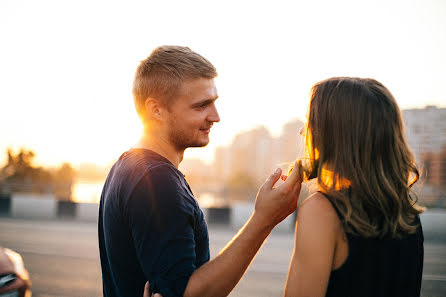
{"points": [[87, 192]]}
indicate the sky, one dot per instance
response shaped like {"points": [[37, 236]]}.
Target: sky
{"points": [[66, 67]]}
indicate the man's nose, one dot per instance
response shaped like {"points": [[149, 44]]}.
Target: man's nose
{"points": [[214, 116]]}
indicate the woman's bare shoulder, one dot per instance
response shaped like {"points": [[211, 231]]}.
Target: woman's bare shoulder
{"points": [[317, 207]]}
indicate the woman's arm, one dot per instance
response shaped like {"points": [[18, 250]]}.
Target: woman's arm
{"points": [[317, 228]]}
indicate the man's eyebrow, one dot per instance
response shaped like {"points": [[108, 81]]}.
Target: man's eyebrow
{"points": [[204, 102]]}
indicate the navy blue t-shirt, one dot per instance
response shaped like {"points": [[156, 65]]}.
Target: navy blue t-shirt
{"points": [[150, 227]]}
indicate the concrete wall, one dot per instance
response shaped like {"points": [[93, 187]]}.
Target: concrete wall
{"points": [[46, 207], [88, 212], [242, 211], [33, 206], [433, 222]]}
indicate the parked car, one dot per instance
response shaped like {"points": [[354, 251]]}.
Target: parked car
{"points": [[14, 278]]}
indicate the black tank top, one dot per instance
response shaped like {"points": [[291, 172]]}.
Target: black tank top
{"points": [[380, 267]]}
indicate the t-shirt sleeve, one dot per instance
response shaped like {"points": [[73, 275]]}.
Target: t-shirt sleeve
{"points": [[161, 221]]}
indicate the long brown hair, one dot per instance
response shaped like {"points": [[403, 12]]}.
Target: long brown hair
{"points": [[355, 137]]}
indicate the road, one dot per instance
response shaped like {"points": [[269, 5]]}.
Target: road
{"points": [[63, 259]]}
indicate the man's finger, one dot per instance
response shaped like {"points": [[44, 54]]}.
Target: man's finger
{"points": [[272, 179], [295, 175], [147, 290]]}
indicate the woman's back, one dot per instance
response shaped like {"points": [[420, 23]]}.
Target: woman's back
{"points": [[380, 267]]}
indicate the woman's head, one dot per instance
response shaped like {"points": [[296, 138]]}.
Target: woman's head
{"points": [[355, 135]]}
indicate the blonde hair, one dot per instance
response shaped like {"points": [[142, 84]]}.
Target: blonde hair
{"points": [[161, 74], [355, 133]]}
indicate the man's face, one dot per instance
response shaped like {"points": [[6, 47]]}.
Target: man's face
{"points": [[192, 114]]}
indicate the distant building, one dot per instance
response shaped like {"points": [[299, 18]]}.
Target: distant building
{"points": [[426, 136], [435, 167], [256, 153], [222, 163], [252, 154], [425, 130], [290, 144], [198, 173]]}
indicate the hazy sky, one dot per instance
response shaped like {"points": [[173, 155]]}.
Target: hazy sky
{"points": [[66, 67]]}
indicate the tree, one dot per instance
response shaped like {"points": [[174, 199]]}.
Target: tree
{"points": [[20, 175], [19, 166]]}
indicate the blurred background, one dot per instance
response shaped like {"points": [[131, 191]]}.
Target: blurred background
{"points": [[66, 114]]}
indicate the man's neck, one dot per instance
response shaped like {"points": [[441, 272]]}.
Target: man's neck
{"points": [[162, 147]]}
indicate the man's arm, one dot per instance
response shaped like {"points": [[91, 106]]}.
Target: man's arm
{"points": [[219, 276], [161, 219]]}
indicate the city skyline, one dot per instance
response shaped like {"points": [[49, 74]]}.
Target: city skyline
{"points": [[288, 134], [237, 169]]}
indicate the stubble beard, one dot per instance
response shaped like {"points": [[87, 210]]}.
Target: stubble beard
{"points": [[181, 140]]}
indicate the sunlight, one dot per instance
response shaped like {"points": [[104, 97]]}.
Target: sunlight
{"points": [[87, 192]]}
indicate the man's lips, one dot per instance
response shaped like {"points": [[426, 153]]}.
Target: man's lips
{"points": [[206, 129]]}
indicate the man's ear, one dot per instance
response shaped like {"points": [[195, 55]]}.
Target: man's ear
{"points": [[153, 109]]}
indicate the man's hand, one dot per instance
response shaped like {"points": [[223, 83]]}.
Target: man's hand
{"points": [[147, 291], [274, 204]]}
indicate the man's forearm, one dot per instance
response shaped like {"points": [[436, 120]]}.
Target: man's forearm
{"points": [[219, 276]]}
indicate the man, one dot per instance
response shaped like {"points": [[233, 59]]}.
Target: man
{"points": [[150, 225]]}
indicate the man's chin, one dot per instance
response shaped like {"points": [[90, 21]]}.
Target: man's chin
{"points": [[201, 143]]}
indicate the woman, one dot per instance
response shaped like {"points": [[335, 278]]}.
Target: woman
{"points": [[360, 233]]}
